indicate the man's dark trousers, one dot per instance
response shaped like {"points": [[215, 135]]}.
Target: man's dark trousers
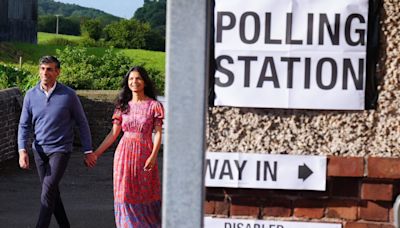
{"points": [[51, 168]]}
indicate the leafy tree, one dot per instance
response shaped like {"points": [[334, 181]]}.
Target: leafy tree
{"points": [[153, 13], [155, 40], [47, 24], [91, 29], [67, 25], [127, 34]]}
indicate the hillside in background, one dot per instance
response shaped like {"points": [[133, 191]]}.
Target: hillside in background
{"points": [[50, 7]]}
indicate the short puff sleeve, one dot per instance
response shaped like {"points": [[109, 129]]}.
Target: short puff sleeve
{"points": [[158, 111], [117, 117]]}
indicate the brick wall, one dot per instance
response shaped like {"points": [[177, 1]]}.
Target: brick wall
{"points": [[99, 107], [10, 108], [360, 193]]}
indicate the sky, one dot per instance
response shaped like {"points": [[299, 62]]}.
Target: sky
{"points": [[120, 8]]}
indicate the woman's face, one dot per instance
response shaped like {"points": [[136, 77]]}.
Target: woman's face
{"points": [[135, 82]]}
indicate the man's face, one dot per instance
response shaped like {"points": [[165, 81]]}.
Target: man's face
{"points": [[48, 74]]}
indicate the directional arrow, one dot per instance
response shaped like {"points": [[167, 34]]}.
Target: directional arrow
{"points": [[304, 172]]}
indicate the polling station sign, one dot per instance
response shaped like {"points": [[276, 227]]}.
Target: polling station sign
{"points": [[265, 171], [300, 54]]}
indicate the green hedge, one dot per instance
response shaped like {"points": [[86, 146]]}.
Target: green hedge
{"points": [[81, 70]]}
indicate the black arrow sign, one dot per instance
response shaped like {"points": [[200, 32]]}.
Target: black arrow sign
{"points": [[304, 172]]}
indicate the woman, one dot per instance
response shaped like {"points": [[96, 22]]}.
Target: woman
{"points": [[137, 200]]}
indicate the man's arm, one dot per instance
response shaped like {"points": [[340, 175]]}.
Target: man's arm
{"points": [[24, 128], [83, 126]]}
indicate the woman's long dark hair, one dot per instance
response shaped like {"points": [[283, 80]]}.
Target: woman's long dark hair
{"points": [[126, 94]]}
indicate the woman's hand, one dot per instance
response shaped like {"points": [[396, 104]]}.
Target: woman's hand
{"points": [[150, 163], [91, 159]]}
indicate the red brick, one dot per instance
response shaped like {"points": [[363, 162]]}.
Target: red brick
{"points": [[363, 225], [374, 211], [375, 191], [222, 208], [277, 208], [245, 205], [309, 209], [387, 226], [345, 187], [384, 167], [391, 215], [346, 166], [241, 210], [209, 207], [343, 209]]}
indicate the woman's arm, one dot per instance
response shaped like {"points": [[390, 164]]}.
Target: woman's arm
{"points": [[107, 142], [150, 162]]}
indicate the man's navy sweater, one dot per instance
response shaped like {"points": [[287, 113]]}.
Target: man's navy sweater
{"points": [[52, 120]]}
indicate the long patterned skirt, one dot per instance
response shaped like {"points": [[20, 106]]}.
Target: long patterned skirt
{"points": [[137, 201]]}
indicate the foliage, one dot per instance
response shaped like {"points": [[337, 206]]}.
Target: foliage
{"points": [[14, 77], [154, 40], [153, 13], [91, 29], [31, 53], [127, 34], [158, 79], [81, 70], [66, 25], [49, 7], [104, 72]]}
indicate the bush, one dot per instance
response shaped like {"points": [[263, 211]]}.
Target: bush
{"points": [[91, 29], [127, 34], [83, 71], [80, 70], [158, 78], [14, 77]]}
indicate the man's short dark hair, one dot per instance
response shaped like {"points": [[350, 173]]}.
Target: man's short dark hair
{"points": [[50, 59]]}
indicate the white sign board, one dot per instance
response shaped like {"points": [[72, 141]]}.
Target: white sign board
{"points": [[210, 222], [243, 170], [302, 54]]}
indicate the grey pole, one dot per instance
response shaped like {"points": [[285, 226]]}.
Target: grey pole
{"points": [[57, 24], [186, 70]]}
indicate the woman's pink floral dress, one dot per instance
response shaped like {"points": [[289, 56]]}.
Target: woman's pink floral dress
{"points": [[137, 200]]}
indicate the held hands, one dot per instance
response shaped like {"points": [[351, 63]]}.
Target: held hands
{"points": [[90, 160], [150, 163], [23, 159]]}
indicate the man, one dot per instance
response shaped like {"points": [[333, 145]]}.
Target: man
{"points": [[50, 110]]}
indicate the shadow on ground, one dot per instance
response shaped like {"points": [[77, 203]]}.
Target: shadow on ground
{"points": [[87, 194]]}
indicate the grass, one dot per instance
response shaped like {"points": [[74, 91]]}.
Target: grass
{"points": [[31, 53], [44, 37]]}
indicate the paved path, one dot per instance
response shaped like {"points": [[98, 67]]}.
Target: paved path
{"points": [[87, 194]]}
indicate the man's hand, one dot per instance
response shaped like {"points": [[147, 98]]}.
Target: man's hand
{"points": [[90, 160], [23, 159]]}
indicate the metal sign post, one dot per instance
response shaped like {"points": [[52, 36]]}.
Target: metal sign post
{"points": [[183, 172]]}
